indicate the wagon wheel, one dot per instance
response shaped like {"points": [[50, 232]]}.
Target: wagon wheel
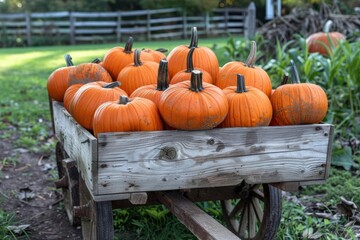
{"points": [[60, 154], [256, 214], [96, 217], [69, 183]]}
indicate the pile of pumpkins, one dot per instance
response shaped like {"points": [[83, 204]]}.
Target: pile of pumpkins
{"points": [[143, 90]]}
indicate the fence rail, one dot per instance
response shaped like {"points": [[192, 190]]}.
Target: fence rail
{"points": [[76, 27]]}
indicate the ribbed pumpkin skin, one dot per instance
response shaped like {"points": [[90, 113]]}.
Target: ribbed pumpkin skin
{"points": [[185, 76], [249, 109], [203, 58], [138, 115], [255, 77], [148, 92], [156, 55], [138, 74], [88, 72], [69, 95], [88, 98], [58, 83], [315, 41], [302, 103], [119, 57], [184, 109]]}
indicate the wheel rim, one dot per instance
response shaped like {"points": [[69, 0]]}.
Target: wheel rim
{"points": [[248, 216]]}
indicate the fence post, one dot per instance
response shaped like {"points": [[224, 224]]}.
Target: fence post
{"points": [[118, 27], [226, 19], [184, 24], [72, 29], [28, 28], [148, 25], [250, 21], [207, 24]]}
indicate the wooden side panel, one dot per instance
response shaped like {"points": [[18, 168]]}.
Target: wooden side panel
{"points": [[168, 160], [78, 143]]}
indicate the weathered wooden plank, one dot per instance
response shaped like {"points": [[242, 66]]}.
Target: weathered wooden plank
{"points": [[78, 143], [196, 220], [47, 23], [169, 27], [14, 24], [95, 30], [94, 14], [50, 15], [167, 35], [12, 16], [166, 20], [96, 24], [167, 160]]}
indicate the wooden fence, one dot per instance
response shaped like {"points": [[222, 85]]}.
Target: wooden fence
{"points": [[94, 27]]}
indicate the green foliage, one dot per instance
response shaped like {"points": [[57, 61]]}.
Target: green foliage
{"points": [[191, 7], [296, 224], [340, 183], [6, 222]]}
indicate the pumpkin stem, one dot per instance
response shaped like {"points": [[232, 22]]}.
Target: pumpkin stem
{"points": [[96, 60], [240, 87], [128, 45], [112, 85], [194, 38], [294, 73], [189, 60], [196, 81], [68, 60], [327, 26], [137, 61], [162, 50], [252, 55], [124, 100], [163, 76], [284, 80]]}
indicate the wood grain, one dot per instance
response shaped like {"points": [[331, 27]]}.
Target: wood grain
{"points": [[78, 143], [167, 160]]}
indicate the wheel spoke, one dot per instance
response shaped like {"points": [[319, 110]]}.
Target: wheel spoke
{"points": [[239, 206], [257, 208], [252, 221], [243, 221], [258, 194]]}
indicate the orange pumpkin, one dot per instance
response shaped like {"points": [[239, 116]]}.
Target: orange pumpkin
{"points": [[157, 54], [88, 72], [153, 92], [58, 80], [185, 75], [69, 95], [255, 76], [323, 42], [193, 105], [127, 115], [248, 106], [138, 74], [298, 103], [89, 97], [203, 58], [119, 57]]}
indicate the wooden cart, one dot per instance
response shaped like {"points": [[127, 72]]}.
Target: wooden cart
{"points": [[244, 168]]}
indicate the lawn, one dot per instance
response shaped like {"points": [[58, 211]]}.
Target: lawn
{"points": [[25, 121]]}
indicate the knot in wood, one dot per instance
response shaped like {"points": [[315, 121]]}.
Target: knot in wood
{"points": [[167, 153]]}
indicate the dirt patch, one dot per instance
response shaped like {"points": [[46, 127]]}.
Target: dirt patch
{"points": [[27, 189]]}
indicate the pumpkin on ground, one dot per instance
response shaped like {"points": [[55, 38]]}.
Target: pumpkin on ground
{"points": [[153, 92], [185, 74], [89, 97], [298, 103], [124, 115], [323, 42], [119, 57], [193, 105], [138, 74], [203, 58], [248, 106], [255, 76], [58, 80]]}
